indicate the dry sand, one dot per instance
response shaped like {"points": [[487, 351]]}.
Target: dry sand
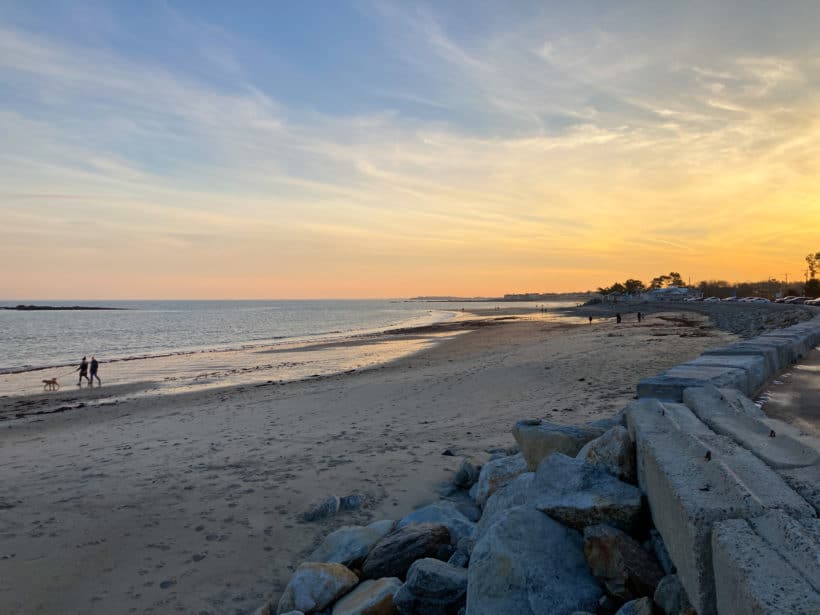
{"points": [[190, 503]]}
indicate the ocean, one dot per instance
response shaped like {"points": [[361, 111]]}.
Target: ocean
{"points": [[213, 341]]}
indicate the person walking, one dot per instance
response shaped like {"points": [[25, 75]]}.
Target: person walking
{"points": [[83, 369], [94, 367], [590, 320], [618, 317], [640, 317]]}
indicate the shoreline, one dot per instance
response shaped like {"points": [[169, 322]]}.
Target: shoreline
{"points": [[193, 501]]}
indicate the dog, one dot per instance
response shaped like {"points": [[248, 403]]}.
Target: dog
{"points": [[51, 385]]}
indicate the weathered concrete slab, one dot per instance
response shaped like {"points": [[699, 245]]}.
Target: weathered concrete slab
{"points": [[766, 566], [689, 491], [775, 355], [755, 367], [806, 482], [671, 383], [800, 344], [779, 451]]}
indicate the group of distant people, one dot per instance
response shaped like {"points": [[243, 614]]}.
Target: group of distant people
{"points": [[89, 372], [619, 318]]}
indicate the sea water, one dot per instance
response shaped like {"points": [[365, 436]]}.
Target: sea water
{"points": [[186, 343]]}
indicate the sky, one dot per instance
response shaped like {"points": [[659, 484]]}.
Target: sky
{"points": [[211, 149]]}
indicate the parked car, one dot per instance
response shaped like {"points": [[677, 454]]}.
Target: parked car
{"points": [[785, 299], [761, 300], [729, 299], [797, 300], [711, 300], [812, 302]]}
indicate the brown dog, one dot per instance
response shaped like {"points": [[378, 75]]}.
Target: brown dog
{"points": [[51, 385]]}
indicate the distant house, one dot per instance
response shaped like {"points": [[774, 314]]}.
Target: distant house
{"points": [[670, 293]]}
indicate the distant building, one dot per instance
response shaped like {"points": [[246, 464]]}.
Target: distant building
{"points": [[670, 293]]}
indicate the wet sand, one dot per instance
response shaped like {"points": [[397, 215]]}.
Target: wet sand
{"points": [[191, 502]]}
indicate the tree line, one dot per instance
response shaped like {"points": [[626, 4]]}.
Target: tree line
{"points": [[722, 288]]}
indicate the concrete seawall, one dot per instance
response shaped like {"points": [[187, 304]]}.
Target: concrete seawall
{"points": [[733, 493]]}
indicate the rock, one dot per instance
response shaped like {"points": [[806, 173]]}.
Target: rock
{"points": [[516, 493], [288, 613], [443, 513], [393, 554], [323, 510], [267, 609], [661, 554], [350, 544], [620, 563], [473, 493], [497, 473], [642, 606], [315, 586], [432, 588], [469, 509], [370, 598], [529, 564], [614, 452], [539, 439], [579, 494], [467, 474], [354, 501], [460, 558], [671, 597]]}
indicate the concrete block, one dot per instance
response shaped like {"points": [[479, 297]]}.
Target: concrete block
{"points": [[806, 482], [669, 385], [799, 343], [688, 493], [779, 452], [777, 356], [755, 367], [753, 577]]}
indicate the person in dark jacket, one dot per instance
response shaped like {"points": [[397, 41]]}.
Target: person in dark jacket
{"points": [[83, 369], [94, 367]]}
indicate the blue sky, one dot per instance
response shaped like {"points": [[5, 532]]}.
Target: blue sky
{"points": [[273, 149]]}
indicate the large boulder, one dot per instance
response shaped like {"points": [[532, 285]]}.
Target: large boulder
{"points": [[315, 586], [614, 452], [350, 544], [529, 564], [579, 494], [620, 563], [671, 597], [432, 588], [514, 494], [497, 473], [370, 598], [539, 439], [393, 555], [641, 606], [443, 513]]}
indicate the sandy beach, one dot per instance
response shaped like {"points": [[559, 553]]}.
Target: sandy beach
{"points": [[191, 502]]}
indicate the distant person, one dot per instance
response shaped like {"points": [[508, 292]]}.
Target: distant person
{"points": [[94, 367], [590, 320], [640, 317], [83, 369], [618, 317]]}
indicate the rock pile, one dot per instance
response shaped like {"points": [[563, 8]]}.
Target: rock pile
{"points": [[570, 536]]}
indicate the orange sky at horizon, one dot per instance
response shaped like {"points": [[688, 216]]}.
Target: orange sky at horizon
{"points": [[526, 155]]}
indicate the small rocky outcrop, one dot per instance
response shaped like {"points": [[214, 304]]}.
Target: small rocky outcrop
{"points": [[443, 513], [315, 586], [641, 606], [370, 598], [350, 544], [539, 439], [393, 555], [579, 494], [529, 564], [671, 598], [432, 588], [620, 563], [497, 473], [614, 452]]}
